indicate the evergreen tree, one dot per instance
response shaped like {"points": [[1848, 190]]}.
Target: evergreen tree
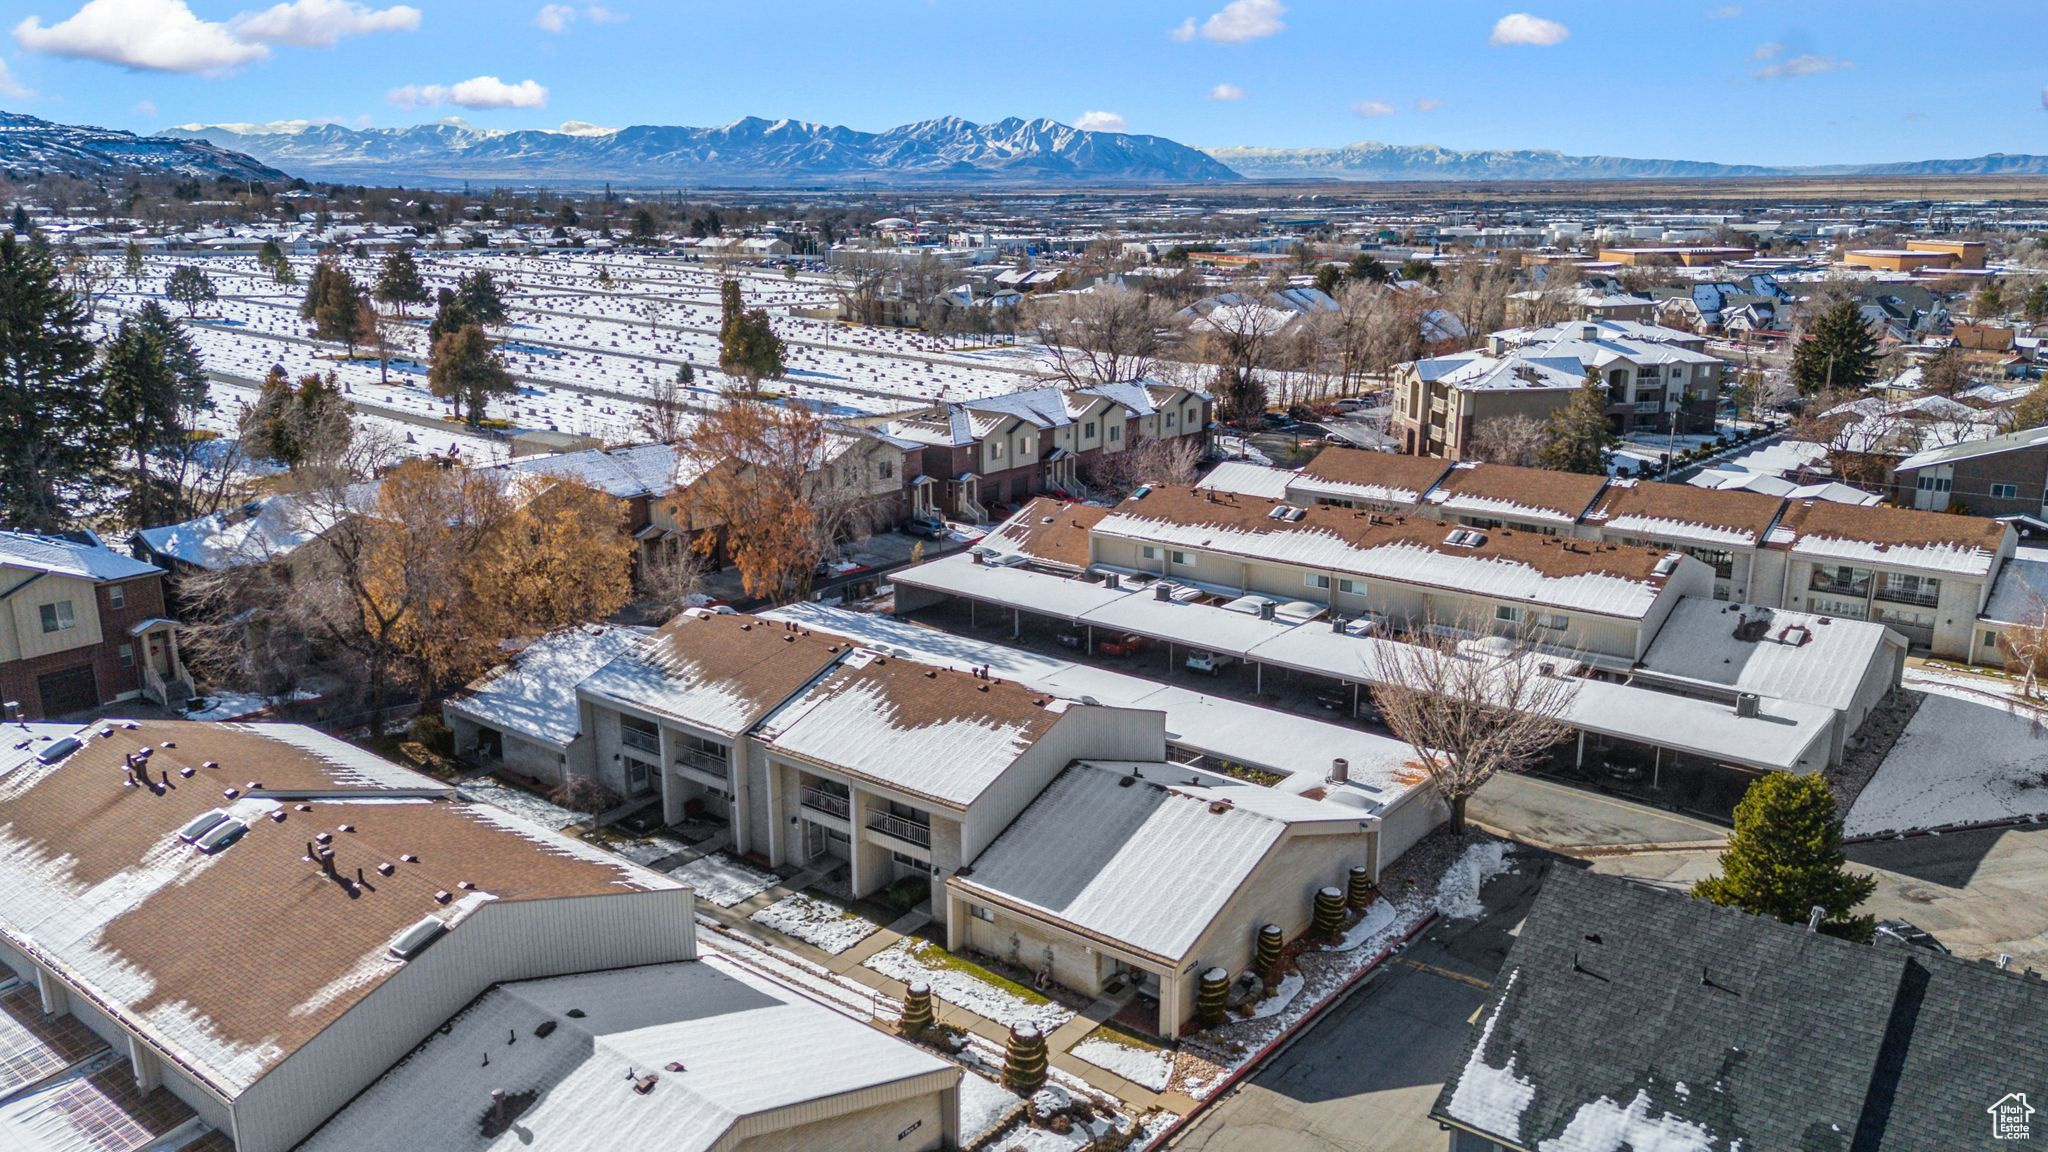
{"points": [[2036, 305], [2031, 411], [449, 318], [1328, 277], [333, 303], [309, 423], [480, 299], [131, 261], [748, 348], [1364, 267], [53, 442], [1837, 352], [191, 287], [144, 409], [1786, 858], [269, 256], [1990, 301], [467, 372], [399, 284], [20, 222], [180, 354], [1577, 436]]}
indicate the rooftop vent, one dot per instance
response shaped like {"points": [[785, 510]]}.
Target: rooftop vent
{"points": [[1465, 538], [1746, 705], [199, 825], [1667, 565], [416, 939], [220, 835], [1340, 771]]}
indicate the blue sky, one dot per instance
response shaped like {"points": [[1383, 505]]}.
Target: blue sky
{"points": [[1758, 81]]}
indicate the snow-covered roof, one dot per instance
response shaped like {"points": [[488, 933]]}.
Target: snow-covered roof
{"points": [[1248, 479], [60, 556], [717, 672], [746, 1047], [533, 695], [1793, 655], [1990, 446], [1886, 537], [641, 470], [944, 736], [1372, 477], [1479, 372], [2020, 593], [229, 962], [1148, 863], [264, 529], [1681, 513]]}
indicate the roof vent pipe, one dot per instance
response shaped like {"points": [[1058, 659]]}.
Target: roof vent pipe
{"points": [[1746, 704], [1813, 918], [1162, 591], [1340, 771]]}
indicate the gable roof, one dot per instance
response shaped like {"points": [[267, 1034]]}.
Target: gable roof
{"points": [[1682, 512], [1386, 477], [60, 556], [1627, 1016], [717, 672], [1899, 537], [1510, 493]]}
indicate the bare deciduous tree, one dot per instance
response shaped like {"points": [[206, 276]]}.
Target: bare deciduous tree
{"points": [[1506, 440], [1103, 335], [2025, 646], [665, 416], [1471, 709]]}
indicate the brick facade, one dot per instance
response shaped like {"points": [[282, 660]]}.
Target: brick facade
{"points": [[143, 598]]}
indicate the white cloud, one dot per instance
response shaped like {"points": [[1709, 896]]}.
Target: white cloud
{"points": [[320, 23], [149, 35], [480, 92], [11, 88], [584, 128], [1792, 67], [1428, 104], [1729, 12], [1522, 28], [554, 18], [1101, 122], [1236, 22], [1372, 109], [599, 14], [146, 109], [1226, 92], [1768, 51]]}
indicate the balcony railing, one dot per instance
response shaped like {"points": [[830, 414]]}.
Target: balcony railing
{"points": [[710, 763], [897, 826], [1922, 596], [1835, 587], [642, 741], [827, 802]]}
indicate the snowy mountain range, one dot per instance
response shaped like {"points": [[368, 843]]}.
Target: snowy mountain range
{"points": [[749, 151], [1373, 161], [29, 145]]}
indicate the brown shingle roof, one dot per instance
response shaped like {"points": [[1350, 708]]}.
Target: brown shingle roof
{"points": [[1549, 555], [1051, 531], [1885, 526], [1415, 474], [260, 944], [1750, 513], [761, 661], [1567, 494]]}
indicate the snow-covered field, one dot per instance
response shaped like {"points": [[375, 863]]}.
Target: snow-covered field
{"points": [[907, 961], [1966, 758], [820, 923], [722, 880], [1145, 1067]]}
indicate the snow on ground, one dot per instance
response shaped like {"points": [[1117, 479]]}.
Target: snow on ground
{"points": [[1146, 1067], [236, 705], [519, 802], [1965, 758], [907, 961], [816, 922], [1378, 915], [648, 850], [983, 1105], [1291, 984], [1457, 895], [722, 880]]}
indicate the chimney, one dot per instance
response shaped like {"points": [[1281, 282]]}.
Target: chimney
{"points": [[1340, 771], [1813, 918]]}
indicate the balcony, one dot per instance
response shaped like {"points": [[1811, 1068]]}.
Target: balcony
{"points": [[819, 800], [640, 741], [901, 829], [712, 763], [1833, 587], [1920, 595]]}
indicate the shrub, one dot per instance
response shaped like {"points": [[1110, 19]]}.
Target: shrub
{"points": [[429, 729]]}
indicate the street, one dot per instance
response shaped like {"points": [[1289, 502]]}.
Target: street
{"points": [[1362, 1079]]}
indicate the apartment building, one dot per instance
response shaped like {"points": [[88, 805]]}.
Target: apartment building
{"points": [[258, 938], [83, 626], [1005, 449], [1654, 375], [2003, 476], [1722, 529], [1441, 402]]}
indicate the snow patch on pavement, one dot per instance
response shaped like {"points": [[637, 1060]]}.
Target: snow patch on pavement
{"points": [[906, 961], [820, 923], [1146, 1067], [1457, 896], [723, 881]]}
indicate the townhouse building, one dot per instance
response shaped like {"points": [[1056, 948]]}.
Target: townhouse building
{"points": [[82, 626], [314, 958], [1004, 449]]}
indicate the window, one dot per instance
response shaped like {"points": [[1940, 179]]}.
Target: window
{"points": [[1991, 641], [1169, 419], [995, 450], [981, 913], [1507, 613], [1115, 433], [58, 618], [1552, 620], [1934, 483], [1179, 557], [1088, 429], [1148, 552], [886, 469], [127, 655], [911, 862], [641, 734], [1316, 580], [1351, 587], [117, 597], [2005, 491]]}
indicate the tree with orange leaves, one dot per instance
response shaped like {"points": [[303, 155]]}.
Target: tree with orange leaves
{"points": [[765, 494]]}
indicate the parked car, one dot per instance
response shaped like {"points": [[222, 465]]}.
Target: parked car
{"points": [[1905, 934], [1212, 663], [929, 527], [1129, 644]]}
